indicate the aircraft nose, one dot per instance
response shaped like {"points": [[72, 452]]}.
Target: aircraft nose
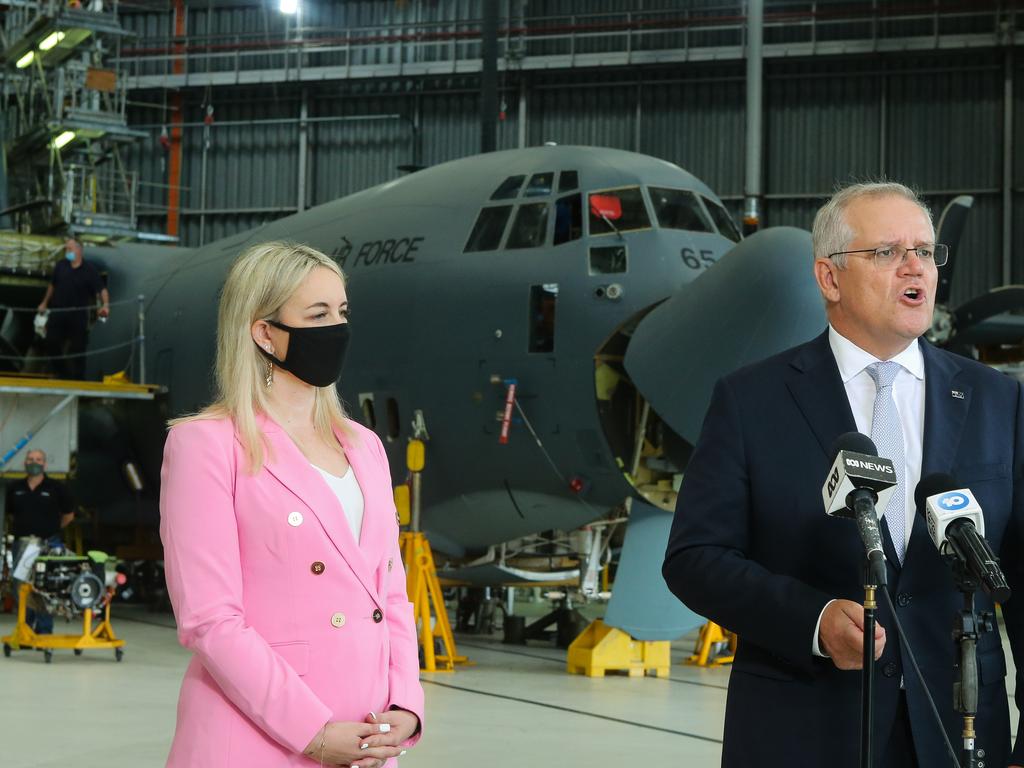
{"points": [[759, 299]]}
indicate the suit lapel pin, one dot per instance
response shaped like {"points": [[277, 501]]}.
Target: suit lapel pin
{"points": [[957, 394]]}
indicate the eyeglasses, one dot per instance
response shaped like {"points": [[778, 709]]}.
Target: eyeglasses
{"points": [[890, 256]]}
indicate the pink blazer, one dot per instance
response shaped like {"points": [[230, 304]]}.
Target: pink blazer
{"points": [[292, 622]]}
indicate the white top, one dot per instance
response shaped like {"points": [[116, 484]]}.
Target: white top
{"points": [[349, 494], [908, 393]]}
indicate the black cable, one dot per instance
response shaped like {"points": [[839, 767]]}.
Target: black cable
{"points": [[551, 461], [920, 677], [513, 499]]}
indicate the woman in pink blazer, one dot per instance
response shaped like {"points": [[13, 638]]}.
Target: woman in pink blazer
{"points": [[281, 542]]}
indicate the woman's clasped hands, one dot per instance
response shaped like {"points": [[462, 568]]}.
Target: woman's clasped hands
{"points": [[364, 745]]}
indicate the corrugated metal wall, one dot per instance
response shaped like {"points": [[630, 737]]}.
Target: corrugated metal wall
{"points": [[932, 121]]}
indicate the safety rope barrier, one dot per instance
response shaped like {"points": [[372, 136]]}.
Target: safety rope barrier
{"points": [[111, 348], [35, 310]]}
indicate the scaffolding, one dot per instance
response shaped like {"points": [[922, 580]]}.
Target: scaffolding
{"points": [[64, 125], [674, 35]]}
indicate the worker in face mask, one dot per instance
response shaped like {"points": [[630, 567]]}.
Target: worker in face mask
{"points": [[72, 292], [39, 508]]}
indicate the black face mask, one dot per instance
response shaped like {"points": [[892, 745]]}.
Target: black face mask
{"points": [[315, 354]]}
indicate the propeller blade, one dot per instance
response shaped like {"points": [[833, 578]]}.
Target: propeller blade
{"points": [[997, 301], [759, 299], [950, 229], [641, 603]]}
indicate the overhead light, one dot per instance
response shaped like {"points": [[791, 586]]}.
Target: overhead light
{"points": [[64, 139], [51, 40], [25, 60], [289, 6]]}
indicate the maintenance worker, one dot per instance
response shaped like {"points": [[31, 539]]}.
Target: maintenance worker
{"points": [[38, 507], [71, 293]]}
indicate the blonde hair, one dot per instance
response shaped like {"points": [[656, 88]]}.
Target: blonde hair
{"points": [[261, 280]]}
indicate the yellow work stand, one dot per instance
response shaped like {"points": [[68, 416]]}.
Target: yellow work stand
{"points": [[92, 638], [421, 581], [425, 590], [713, 638], [600, 649]]}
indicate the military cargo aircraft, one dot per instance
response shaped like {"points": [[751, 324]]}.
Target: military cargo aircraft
{"points": [[551, 320]]}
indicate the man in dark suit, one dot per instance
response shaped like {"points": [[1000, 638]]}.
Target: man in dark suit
{"points": [[752, 549]]}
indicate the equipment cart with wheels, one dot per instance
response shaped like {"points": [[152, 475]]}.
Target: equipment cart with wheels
{"points": [[67, 585]]}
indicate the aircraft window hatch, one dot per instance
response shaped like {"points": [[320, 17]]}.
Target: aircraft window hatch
{"points": [[610, 260], [722, 219], [679, 209], [530, 228], [568, 219], [489, 227], [394, 423], [509, 188], [369, 414], [568, 181], [618, 210], [543, 299], [540, 185]]}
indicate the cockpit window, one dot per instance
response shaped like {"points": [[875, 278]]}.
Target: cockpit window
{"points": [[568, 181], [722, 219], [489, 227], [568, 219], [509, 188], [530, 227], [617, 210], [540, 184], [679, 209]]}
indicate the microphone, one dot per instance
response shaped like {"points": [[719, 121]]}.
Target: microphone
{"points": [[857, 482], [957, 528]]}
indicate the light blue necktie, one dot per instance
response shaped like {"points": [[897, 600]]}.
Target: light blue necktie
{"points": [[887, 434]]}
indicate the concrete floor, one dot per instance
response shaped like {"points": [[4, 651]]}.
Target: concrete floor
{"points": [[516, 707]]}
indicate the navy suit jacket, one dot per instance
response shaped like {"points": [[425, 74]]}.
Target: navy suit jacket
{"points": [[752, 549]]}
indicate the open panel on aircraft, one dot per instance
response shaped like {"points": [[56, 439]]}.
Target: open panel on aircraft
{"points": [[650, 455]]}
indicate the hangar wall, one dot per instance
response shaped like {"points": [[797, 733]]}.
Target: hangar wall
{"points": [[934, 119]]}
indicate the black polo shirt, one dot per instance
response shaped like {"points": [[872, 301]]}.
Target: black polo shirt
{"points": [[75, 287], [38, 512]]}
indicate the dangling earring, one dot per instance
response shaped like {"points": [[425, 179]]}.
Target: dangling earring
{"points": [[270, 372]]}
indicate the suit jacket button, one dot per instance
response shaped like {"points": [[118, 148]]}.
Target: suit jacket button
{"points": [[317, 567], [338, 620], [378, 616], [295, 519], [902, 599], [890, 669]]}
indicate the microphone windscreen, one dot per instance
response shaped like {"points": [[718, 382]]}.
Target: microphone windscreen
{"points": [[857, 442], [935, 483]]}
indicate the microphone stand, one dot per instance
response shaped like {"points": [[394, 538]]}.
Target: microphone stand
{"points": [[968, 626], [867, 689]]}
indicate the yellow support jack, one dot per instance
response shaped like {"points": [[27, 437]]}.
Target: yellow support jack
{"points": [[424, 591], [422, 584], [92, 638], [601, 649], [713, 639]]}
